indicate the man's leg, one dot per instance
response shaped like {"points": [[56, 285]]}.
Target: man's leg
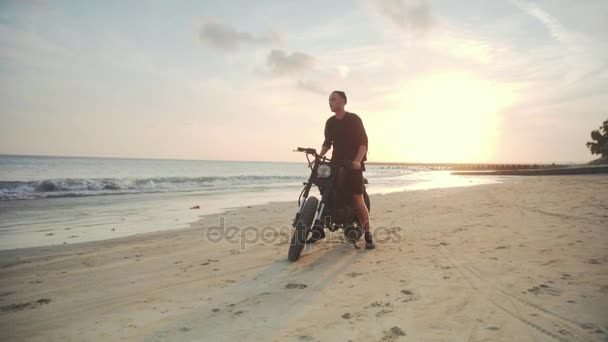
{"points": [[361, 210], [364, 219]]}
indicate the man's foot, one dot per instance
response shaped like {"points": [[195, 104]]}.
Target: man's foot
{"points": [[369, 244], [317, 234]]}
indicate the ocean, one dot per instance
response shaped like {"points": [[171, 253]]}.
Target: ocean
{"points": [[60, 200]]}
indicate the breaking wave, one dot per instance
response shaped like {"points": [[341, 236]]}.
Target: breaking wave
{"points": [[74, 187]]}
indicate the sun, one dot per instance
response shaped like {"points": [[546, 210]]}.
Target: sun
{"points": [[443, 118]]}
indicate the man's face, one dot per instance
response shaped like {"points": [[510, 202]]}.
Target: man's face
{"points": [[336, 102]]}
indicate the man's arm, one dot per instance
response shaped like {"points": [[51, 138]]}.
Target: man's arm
{"points": [[361, 135], [324, 150], [328, 140], [359, 157]]}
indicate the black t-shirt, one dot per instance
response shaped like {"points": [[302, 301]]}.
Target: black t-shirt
{"points": [[346, 135]]}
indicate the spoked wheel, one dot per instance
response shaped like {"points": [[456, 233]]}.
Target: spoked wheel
{"points": [[300, 233]]}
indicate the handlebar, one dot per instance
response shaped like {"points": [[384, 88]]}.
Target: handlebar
{"points": [[307, 150], [346, 163]]}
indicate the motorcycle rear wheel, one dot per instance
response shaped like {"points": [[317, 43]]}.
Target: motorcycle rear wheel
{"points": [[300, 233]]}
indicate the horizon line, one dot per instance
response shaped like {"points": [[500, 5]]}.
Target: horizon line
{"points": [[279, 161]]}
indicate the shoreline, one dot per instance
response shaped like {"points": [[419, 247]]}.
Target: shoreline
{"points": [[7, 254], [190, 217], [522, 260], [563, 171]]}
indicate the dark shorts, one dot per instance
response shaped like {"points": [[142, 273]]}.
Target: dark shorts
{"points": [[351, 182]]}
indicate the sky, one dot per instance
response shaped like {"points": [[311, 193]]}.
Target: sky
{"points": [[433, 81]]}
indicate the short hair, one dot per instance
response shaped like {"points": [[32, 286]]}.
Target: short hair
{"points": [[342, 94]]}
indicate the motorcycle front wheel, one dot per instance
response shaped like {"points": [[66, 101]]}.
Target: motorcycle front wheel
{"points": [[300, 233]]}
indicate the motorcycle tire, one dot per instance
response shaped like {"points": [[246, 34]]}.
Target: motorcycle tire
{"points": [[300, 233]]}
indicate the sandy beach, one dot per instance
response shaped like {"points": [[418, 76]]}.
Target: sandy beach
{"points": [[526, 260]]}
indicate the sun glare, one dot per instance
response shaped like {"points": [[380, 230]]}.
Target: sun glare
{"points": [[443, 118]]}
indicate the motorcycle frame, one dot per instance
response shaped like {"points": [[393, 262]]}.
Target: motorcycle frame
{"points": [[313, 179]]}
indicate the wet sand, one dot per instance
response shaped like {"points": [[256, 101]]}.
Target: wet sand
{"points": [[526, 260]]}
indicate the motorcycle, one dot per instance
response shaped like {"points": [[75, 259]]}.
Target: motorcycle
{"points": [[334, 211]]}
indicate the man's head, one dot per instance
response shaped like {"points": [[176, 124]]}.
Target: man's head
{"points": [[337, 100]]}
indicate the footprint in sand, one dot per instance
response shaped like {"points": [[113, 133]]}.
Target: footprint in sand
{"points": [[377, 304], [383, 312], [409, 295], [354, 274], [544, 289], [392, 334], [6, 293], [593, 328], [23, 306]]}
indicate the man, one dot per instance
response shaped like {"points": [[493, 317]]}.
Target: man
{"points": [[346, 133]]}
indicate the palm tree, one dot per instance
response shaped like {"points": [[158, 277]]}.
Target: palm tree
{"points": [[599, 143]]}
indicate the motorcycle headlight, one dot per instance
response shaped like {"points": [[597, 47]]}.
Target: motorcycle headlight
{"points": [[323, 171]]}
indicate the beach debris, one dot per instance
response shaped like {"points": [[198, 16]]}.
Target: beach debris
{"points": [[196, 207], [346, 315], [295, 286]]}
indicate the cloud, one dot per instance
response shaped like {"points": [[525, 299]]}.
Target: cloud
{"points": [[280, 63], [224, 37], [555, 28], [311, 86], [413, 15]]}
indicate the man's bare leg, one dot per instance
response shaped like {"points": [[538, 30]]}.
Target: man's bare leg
{"points": [[363, 218]]}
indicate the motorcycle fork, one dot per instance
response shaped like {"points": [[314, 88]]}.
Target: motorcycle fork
{"points": [[320, 210], [307, 187]]}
